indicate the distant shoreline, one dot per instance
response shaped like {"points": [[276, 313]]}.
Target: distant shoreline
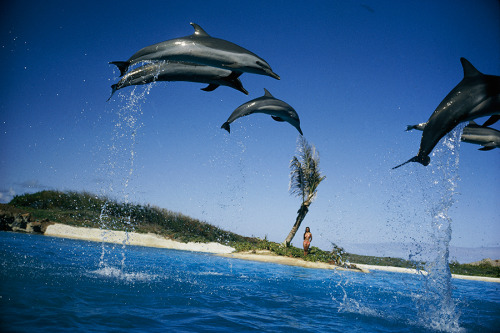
{"points": [[153, 240]]}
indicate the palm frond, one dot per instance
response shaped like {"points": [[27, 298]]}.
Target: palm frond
{"points": [[305, 175], [297, 184]]}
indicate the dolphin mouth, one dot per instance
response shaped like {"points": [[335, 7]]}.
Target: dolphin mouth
{"points": [[268, 70], [273, 74]]}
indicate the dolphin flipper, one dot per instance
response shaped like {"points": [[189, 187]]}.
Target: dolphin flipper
{"points": [[493, 119], [211, 87], [226, 127], [113, 91], [233, 78], [276, 118], [489, 146]]}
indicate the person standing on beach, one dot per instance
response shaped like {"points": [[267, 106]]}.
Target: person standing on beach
{"points": [[308, 237]]}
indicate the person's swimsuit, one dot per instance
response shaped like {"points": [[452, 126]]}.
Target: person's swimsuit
{"points": [[307, 242]]}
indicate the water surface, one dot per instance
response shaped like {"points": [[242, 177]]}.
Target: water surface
{"points": [[53, 284]]}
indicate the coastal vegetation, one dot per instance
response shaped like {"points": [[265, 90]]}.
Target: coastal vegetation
{"points": [[89, 210]]}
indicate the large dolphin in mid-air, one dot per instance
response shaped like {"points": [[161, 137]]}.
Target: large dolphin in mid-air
{"points": [[477, 95], [484, 136], [279, 111], [177, 71], [202, 49]]}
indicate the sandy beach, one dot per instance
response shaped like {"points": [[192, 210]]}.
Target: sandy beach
{"points": [[132, 238], [268, 256], [153, 240]]}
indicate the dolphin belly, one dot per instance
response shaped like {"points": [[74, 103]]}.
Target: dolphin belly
{"points": [[174, 71]]}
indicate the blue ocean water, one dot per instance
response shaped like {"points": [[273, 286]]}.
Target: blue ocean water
{"points": [[58, 285]]}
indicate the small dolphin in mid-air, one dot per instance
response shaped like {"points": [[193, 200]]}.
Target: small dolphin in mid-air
{"points": [[477, 95], [487, 137], [179, 71], [484, 136], [277, 109], [202, 49]]}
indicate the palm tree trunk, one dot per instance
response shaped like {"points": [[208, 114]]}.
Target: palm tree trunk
{"points": [[301, 214]]}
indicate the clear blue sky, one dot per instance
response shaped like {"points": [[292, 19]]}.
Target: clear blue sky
{"points": [[357, 72]]}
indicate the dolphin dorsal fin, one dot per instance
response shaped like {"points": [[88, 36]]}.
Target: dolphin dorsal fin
{"points": [[469, 70], [267, 93], [198, 31]]}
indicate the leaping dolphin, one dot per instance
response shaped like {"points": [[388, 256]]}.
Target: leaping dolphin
{"points": [[477, 95], [202, 49], [279, 111], [177, 71], [487, 137]]}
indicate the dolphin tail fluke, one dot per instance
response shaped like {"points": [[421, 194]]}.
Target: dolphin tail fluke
{"points": [[486, 148], [122, 66], [300, 131], [226, 127], [410, 127], [113, 91], [210, 87], [424, 160]]}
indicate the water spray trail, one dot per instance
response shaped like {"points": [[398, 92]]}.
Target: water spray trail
{"points": [[438, 308], [121, 149]]}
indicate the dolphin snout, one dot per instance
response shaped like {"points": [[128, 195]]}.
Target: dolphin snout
{"points": [[273, 74], [267, 69]]}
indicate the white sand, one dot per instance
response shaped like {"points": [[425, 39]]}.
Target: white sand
{"points": [[268, 256], [390, 269], [132, 238], [415, 271]]}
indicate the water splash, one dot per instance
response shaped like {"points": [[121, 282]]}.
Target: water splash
{"points": [[427, 230], [120, 274], [437, 307], [120, 169]]}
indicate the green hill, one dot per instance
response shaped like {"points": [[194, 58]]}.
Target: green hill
{"points": [[88, 210]]}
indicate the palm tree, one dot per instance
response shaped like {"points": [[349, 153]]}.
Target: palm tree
{"points": [[305, 178]]}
